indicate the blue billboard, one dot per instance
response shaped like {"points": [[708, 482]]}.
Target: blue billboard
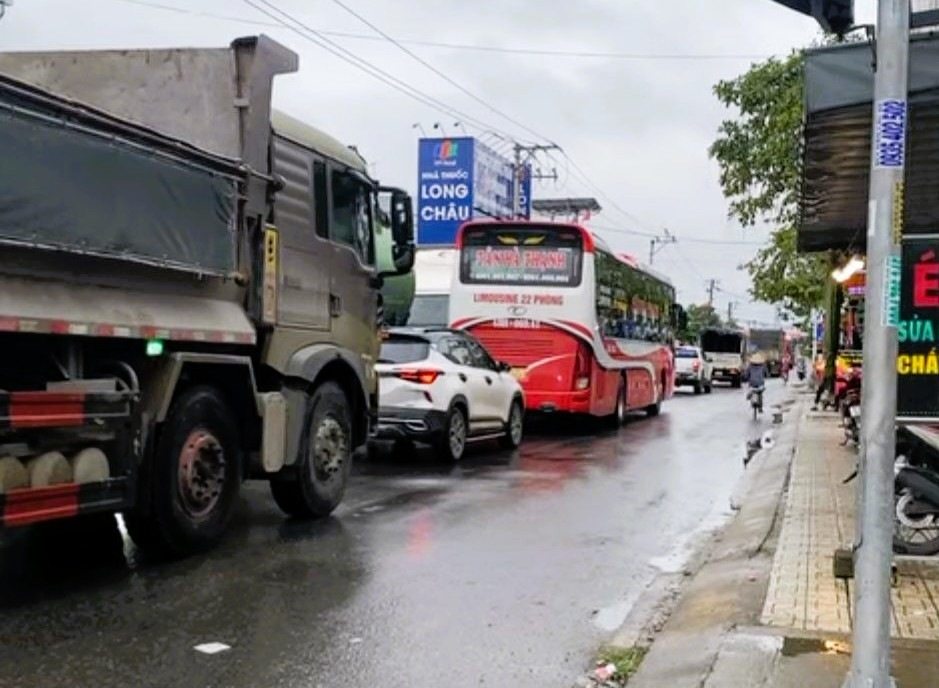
{"points": [[445, 189], [460, 179]]}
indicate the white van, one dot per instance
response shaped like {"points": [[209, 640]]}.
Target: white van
{"points": [[433, 274]]}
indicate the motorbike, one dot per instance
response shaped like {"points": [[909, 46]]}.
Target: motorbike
{"points": [[849, 406], [916, 491], [755, 395]]}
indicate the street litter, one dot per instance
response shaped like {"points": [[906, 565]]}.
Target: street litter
{"points": [[212, 648], [605, 672]]}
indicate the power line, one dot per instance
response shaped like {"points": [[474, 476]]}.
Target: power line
{"points": [[315, 37], [539, 52], [407, 51]]}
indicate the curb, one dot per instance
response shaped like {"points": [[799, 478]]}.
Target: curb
{"points": [[728, 589]]}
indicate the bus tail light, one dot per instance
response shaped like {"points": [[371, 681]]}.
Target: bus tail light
{"points": [[582, 367], [422, 376]]}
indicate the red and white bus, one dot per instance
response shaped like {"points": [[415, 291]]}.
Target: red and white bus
{"points": [[585, 330]]}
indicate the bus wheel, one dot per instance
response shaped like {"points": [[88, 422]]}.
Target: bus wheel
{"points": [[619, 414], [654, 410], [325, 462], [197, 476]]}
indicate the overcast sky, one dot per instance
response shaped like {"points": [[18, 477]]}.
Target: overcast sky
{"points": [[638, 127]]}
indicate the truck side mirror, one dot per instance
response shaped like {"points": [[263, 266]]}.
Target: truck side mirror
{"points": [[402, 230]]}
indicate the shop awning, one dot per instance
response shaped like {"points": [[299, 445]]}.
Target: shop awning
{"points": [[839, 86]]}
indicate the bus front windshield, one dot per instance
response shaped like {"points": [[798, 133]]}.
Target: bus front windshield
{"points": [[538, 256]]}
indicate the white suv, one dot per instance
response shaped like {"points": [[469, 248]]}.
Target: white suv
{"points": [[693, 368], [442, 387]]}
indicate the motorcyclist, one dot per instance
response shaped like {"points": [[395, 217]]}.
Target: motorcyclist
{"points": [[755, 375]]}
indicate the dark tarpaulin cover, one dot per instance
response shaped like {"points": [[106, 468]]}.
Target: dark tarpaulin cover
{"points": [[839, 86], [75, 189]]}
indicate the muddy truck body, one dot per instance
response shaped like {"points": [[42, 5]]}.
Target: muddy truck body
{"points": [[189, 295]]}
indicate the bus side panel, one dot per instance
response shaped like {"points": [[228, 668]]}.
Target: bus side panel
{"points": [[545, 360]]}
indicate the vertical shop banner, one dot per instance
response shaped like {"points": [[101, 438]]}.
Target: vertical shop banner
{"points": [[445, 189], [918, 359], [492, 183], [525, 188]]}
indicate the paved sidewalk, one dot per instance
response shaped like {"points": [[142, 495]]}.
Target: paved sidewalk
{"points": [[765, 609], [819, 518]]}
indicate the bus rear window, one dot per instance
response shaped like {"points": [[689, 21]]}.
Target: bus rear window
{"points": [[519, 256]]}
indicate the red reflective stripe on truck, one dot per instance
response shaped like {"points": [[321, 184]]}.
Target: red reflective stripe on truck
{"points": [[32, 505], [46, 409], [65, 327]]}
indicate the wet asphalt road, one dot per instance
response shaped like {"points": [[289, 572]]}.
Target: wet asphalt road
{"points": [[507, 570]]}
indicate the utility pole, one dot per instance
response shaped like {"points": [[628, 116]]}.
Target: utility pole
{"points": [[870, 659], [662, 241], [711, 286], [524, 155], [3, 7], [730, 311]]}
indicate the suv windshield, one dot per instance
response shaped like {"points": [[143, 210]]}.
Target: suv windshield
{"points": [[686, 353], [398, 349]]}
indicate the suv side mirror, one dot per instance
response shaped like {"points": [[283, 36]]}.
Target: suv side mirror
{"points": [[402, 230], [503, 367]]}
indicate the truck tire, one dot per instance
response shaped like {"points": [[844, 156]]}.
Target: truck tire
{"points": [[735, 382], [196, 477], [317, 485]]}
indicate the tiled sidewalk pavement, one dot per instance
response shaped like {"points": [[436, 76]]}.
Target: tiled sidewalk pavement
{"points": [[819, 518]]}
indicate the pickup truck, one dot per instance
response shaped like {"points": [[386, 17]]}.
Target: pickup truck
{"points": [[692, 369]]}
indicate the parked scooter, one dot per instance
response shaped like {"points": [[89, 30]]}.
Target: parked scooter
{"points": [[849, 406], [916, 492]]}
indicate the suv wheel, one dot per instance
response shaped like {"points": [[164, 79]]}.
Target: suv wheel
{"points": [[452, 444], [514, 428]]}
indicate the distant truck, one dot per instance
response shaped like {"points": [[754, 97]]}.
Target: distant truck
{"points": [[725, 350], [188, 291], [771, 344]]}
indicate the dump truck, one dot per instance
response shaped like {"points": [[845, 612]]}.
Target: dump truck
{"points": [[189, 295], [771, 344]]}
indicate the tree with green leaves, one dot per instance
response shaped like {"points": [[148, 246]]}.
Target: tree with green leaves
{"points": [[700, 317], [759, 153]]}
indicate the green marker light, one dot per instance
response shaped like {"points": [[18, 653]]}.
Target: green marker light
{"points": [[154, 347]]}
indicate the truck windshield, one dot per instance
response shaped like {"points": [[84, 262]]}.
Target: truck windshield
{"points": [[539, 255], [686, 353]]}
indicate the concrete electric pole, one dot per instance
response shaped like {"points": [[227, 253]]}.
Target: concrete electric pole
{"points": [[870, 660], [711, 286], [524, 155], [662, 241]]}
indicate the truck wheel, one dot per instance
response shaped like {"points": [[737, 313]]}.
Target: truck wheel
{"points": [[196, 476], [735, 382], [322, 473], [697, 387]]}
